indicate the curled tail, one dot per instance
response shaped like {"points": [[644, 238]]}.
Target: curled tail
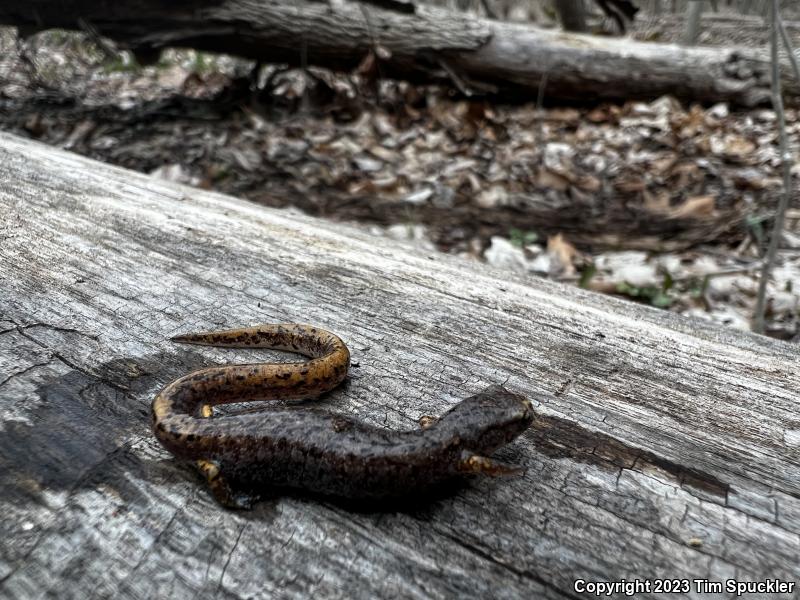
{"points": [[190, 397]]}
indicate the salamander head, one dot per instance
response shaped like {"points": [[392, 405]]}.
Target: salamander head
{"points": [[488, 420]]}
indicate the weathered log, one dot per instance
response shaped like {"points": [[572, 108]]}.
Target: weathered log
{"points": [[430, 44], [663, 447]]}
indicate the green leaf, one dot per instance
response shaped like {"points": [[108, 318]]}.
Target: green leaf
{"points": [[586, 276], [661, 300], [668, 282], [520, 238]]}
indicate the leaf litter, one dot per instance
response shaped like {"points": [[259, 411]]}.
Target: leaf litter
{"points": [[657, 202]]}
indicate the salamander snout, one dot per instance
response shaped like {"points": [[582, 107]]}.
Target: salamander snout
{"points": [[517, 412], [490, 418], [504, 404]]}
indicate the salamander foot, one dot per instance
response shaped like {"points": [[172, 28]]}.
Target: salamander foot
{"points": [[474, 463], [426, 421], [221, 490]]}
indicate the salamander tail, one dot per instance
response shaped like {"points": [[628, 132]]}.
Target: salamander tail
{"points": [[192, 338]]}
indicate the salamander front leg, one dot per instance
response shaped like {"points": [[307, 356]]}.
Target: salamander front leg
{"points": [[221, 490], [426, 421]]}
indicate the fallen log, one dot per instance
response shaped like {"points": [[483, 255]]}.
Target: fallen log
{"points": [[430, 44], [662, 447]]}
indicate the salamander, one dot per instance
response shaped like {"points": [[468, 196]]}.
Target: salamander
{"points": [[313, 449]]}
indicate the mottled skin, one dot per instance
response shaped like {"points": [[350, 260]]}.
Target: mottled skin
{"points": [[313, 449]]}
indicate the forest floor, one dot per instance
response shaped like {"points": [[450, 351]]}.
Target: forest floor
{"points": [[658, 202]]}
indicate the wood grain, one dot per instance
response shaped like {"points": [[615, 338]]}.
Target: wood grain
{"points": [[664, 447]]}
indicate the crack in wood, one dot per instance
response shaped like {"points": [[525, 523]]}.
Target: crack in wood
{"points": [[230, 555], [522, 573], [561, 438]]}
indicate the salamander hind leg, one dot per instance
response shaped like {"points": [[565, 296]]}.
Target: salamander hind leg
{"points": [[221, 489], [483, 465]]}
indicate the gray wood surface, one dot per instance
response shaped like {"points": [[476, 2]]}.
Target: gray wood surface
{"points": [[664, 447]]}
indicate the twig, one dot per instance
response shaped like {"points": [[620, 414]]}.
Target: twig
{"points": [[540, 92], [109, 52], [376, 54], [490, 12], [687, 278], [692, 30], [539, 104], [783, 203], [455, 78], [788, 45]]}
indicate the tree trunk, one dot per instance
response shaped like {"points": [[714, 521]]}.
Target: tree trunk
{"points": [[692, 31], [572, 15], [429, 45]]}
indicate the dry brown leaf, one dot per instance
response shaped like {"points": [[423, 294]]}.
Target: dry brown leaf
{"points": [[488, 134], [474, 182], [563, 254], [660, 166], [33, 124], [590, 183], [691, 123], [497, 195], [632, 184], [384, 153], [687, 173], [79, 133], [368, 66], [656, 203], [598, 115], [383, 52], [604, 287], [565, 115], [755, 179], [358, 188], [733, 146], [172, 77], [696, 207], [549, 180]]}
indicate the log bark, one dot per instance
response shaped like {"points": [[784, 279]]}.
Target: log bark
{"points": [[663, 447], [473, 54]]}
